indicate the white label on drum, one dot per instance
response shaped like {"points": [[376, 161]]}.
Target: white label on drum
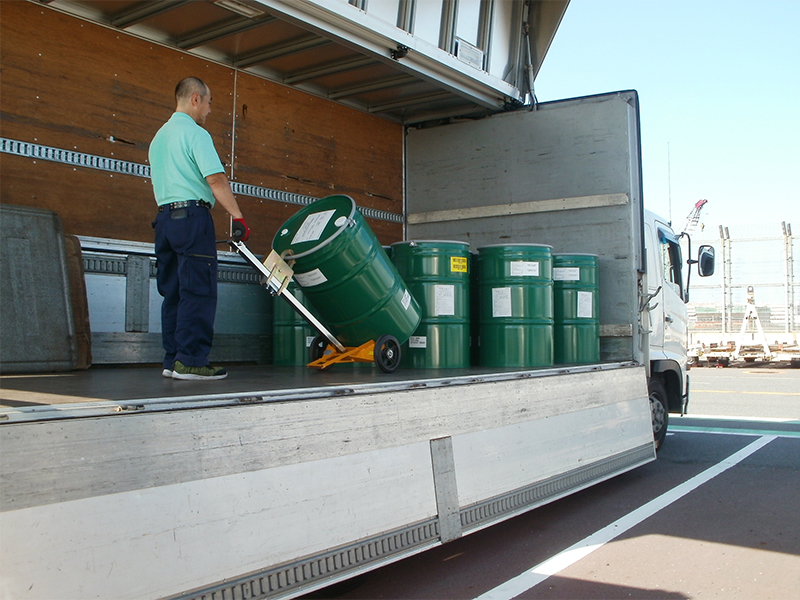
{"points": [[585, 305], [501, 302], [524, 268], [313, 227], [418, 341], [566, 273], [406, 300], [444, 303], [309, 341], [311, 278]]}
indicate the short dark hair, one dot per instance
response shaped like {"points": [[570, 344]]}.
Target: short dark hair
{"points": [[188, 86]]}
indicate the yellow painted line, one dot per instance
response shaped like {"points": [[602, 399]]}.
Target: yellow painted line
{"points": [[696, 391]]}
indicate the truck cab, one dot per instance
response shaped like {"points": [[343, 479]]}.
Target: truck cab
{"points": [[664, 309]]}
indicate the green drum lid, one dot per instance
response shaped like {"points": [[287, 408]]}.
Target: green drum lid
{"points": [[523, 262], [432, 259], [575, 270], [315, 226]]}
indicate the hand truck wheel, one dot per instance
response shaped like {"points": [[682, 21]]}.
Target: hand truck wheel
{"points": [[318, 347], [387, 353]]}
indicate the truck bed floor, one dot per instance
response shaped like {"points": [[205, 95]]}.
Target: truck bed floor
{"points": [[115, 389]]}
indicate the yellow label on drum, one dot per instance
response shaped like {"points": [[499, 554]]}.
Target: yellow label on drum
{"points": [[458, 264]]}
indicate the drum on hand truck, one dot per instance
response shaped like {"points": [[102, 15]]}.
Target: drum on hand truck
{"points": [[330, 251]]}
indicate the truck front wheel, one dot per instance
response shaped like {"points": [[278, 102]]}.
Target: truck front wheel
{"points": [[659, 410]]}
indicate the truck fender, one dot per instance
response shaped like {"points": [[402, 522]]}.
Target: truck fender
{"points": [[671, 376]]}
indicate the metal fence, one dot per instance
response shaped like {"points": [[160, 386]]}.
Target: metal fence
{"points": [[754, 258]]}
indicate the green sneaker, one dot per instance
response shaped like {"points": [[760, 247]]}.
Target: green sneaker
{"points": [[181, 371]]}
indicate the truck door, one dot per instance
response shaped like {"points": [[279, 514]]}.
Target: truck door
{"points": [[567, 174], [668, 316]]}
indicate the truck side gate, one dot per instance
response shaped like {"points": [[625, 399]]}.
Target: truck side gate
{"points": [[567, 174]]}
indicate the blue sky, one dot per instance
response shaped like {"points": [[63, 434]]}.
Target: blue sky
{"points": [[719, 91]]}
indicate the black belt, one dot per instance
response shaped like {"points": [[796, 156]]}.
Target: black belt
{"points": [[184, 204]]}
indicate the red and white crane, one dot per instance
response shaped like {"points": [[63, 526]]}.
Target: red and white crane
{"points": [[694, 217]]}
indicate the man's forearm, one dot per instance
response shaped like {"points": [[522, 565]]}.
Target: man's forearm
{"points": [[223, 194]]}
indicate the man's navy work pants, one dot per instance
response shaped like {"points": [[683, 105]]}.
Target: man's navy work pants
{"points": [[186, 259]]}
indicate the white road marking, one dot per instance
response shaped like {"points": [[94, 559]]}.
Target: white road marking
{"points": [[677, 420], [525, 581], [735, 431]]}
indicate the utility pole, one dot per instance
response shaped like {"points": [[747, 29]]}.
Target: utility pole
{"points": [[725, 247], [789, 276]]}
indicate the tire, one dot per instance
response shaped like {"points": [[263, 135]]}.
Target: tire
{"points": [[317, 348], [387, 353], [659, 410]]}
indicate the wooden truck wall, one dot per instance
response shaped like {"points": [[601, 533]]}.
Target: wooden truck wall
{"points": [[76, 86]]}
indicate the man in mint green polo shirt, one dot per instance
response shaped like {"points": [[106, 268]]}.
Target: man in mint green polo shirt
{"points": [[188, 180]]}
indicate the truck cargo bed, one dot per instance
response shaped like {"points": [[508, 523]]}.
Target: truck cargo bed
{"points": [[280, 480], [112, 390]]}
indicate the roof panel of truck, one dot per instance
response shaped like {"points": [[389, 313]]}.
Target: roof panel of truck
{"points": [[332, 49]]}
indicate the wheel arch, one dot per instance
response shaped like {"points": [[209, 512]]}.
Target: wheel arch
{"points": [[671, 376]]}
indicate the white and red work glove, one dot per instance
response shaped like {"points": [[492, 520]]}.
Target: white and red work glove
{"points": [[239, 230]]}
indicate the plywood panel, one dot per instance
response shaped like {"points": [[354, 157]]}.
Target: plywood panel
{"points": [[72, 84], [90, 202], [91, 89], [79, 87], [292, 141]]}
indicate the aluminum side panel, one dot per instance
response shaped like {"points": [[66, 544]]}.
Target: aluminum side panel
{"points": [[567, 175], [163, 540], [546, 448], [198, 496]]}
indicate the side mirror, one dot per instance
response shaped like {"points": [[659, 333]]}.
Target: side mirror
{"points": [[705, 261]]}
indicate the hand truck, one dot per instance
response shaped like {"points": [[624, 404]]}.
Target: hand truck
{"points": [[326, 349]]}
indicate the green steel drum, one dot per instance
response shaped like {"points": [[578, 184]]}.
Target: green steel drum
{"points": [[576, 303], [345, 273], [516, 305], [291, 333], [474, 311], [437, 275]]}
